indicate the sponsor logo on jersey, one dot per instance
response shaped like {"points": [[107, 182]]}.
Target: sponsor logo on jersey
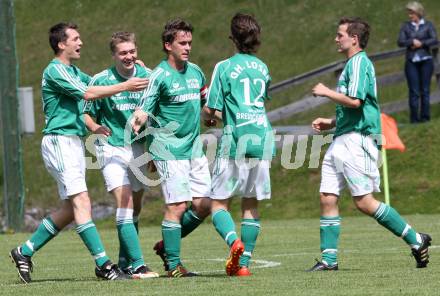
{"points": [[186, 97], [124, 107], [176, 87], [127, 96], [193, 83]]}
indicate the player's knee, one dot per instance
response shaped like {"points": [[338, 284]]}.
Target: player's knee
{"points": [[126, 201], [176, 209], [328, 200], [361, 206], [367, 204], [202, 208], [81, 201], [219, 204]]}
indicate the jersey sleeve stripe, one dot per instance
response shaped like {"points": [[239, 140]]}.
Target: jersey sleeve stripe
{"points": [[352, 77], [156, 73], [214, 75], [80, 86], [63, 72], [358, 76], [99, 75], [54, 80], [355, 76]]}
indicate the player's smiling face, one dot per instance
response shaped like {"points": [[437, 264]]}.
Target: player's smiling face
{"points": [[125, 55], [344, 42], [71, 48], [180, 48]]}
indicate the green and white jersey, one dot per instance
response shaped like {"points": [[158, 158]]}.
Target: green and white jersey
{"points": [[358, 80], [114, 112], [63, 89], [173, 101], [239, 90]]}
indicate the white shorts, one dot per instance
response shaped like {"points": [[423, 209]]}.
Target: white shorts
{"points": [[63, 157], [351, 159], [114, 162], [246, 178], [184, 179]]}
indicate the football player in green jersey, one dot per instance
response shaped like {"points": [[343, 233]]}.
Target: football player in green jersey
{"points": [[352, 157], [116, 155], [238, 90], [173, 104], [64, 89]]}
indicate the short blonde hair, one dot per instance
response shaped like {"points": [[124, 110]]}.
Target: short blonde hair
{"points": [[121, 37], [416, 7]]}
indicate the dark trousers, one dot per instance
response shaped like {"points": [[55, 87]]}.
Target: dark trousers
{"points": [[418, 76]]}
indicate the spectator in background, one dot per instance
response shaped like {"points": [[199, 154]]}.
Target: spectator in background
{"points": [[417, 35]]}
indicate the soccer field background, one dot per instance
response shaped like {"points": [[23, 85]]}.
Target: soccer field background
{"points": [[297, 37], [372, 262]]}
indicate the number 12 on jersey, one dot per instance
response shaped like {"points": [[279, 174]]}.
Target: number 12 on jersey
{"points": [[257, 82]]}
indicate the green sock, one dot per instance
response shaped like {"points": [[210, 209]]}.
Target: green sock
{"points": [[90, 236], [250, 228], [225, 226], [189, 222], [389, 218], [330, 227], [124, 262], [46, 231], [136, 223], [172, 235], [128, 239]]}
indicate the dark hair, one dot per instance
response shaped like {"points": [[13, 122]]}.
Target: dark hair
{"points": [[357, 26], [172, 27], [57, 34], [245, 33], [120, 37]]}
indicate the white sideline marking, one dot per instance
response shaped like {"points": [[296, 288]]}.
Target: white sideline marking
{"points": [[256, 264]]}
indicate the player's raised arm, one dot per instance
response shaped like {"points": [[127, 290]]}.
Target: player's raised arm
{"points": [[322, 124], [339, 98], [132, 84]]}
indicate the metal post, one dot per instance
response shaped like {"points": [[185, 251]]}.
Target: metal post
{"points": [[12, 161]]}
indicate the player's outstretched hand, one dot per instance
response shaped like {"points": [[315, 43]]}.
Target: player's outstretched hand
{"points": [[322, 124], [102, 130], [320, 90], [136, 84], [138, 120]]}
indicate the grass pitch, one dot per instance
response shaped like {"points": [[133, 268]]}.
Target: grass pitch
{"points": [[372, 262]]}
